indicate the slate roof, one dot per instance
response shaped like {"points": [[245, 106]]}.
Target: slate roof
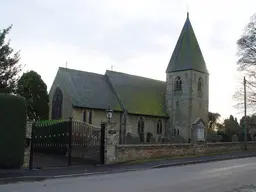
{"points": [[187, 54], [136, 95], [139, 95], [88, 90]]}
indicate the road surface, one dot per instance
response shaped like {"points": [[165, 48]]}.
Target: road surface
{"points": [[207, 177]]}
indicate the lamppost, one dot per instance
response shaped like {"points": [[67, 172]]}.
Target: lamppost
{"points": [[109, 114]]}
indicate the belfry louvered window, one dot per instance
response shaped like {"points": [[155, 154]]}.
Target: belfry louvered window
{"points": [[178, 84]]}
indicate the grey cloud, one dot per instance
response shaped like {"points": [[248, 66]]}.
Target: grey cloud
{"points": [[134, 38], [89, 26]]}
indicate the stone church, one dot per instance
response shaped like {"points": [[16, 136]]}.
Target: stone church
{"points": [[177, 106]]}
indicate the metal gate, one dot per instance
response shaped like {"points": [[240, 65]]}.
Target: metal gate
{"points": [[66, 143]]}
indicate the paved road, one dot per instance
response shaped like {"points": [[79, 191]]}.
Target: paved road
{"points": [[219, 176]]}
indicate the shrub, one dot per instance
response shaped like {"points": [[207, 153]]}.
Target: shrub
{"points": [[240, 136], [150, 138], [12, 130], [213, 137], [50, 121]]}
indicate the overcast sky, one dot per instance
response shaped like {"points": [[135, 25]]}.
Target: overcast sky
{"points": [[135, 36]]}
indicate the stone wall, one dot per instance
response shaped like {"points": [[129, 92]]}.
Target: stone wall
{"points": [[26, 157], [27, 148], [134, 152], [29, 129], [89, 153]]}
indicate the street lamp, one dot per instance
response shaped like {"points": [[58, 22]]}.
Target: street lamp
{"points": [[109, 114]]}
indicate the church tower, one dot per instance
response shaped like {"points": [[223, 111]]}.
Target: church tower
{"points": [[187, 87]]}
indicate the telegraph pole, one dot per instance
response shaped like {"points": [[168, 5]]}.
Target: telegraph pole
{"points": [[245, 119]]}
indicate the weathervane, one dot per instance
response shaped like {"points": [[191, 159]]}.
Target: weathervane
{"points": [[187, 10]]}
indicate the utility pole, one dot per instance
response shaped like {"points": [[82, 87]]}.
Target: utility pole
{"points": [[245, 117]]}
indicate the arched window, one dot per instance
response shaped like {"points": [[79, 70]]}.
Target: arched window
{"points": [[178, 132], [84, 115], [90, 117], [178, 84], [200, 87], [141, 125], [159, 127], [57, 104]]}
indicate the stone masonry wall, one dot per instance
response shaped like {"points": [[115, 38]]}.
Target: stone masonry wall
{"points": [[135, 152], [27, 148]]}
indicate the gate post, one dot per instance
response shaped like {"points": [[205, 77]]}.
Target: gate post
{"points": [[102, 143], [111, 139], [31, 154], [70, 142]]}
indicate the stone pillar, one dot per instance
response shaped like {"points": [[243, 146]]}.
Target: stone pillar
{"points": [[111, 140]]}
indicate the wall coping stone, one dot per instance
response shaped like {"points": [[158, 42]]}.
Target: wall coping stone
{"points": [[152, 145], [180, 144]]}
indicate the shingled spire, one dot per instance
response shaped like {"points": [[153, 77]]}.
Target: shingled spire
{"points": [[187, 54]]}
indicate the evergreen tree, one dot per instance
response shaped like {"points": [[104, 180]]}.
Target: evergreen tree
{"points": [[9, 67], [34, 90]]}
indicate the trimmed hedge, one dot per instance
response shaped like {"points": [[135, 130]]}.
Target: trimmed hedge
{"points": [[47, 122], [13, 117]]}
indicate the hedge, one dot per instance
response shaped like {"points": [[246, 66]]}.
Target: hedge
{"points": [[12, 130]]}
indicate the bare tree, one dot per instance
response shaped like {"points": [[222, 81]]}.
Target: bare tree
{"points": [[247, 65], [213, 120]]}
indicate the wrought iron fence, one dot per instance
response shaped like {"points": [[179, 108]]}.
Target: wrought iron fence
{"points": [[65, 143], [51, 138], [84, 134]]}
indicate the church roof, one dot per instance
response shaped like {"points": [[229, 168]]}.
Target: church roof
{"points": [[187, 54], [139, 95], [87, 90], [120, 91]]}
